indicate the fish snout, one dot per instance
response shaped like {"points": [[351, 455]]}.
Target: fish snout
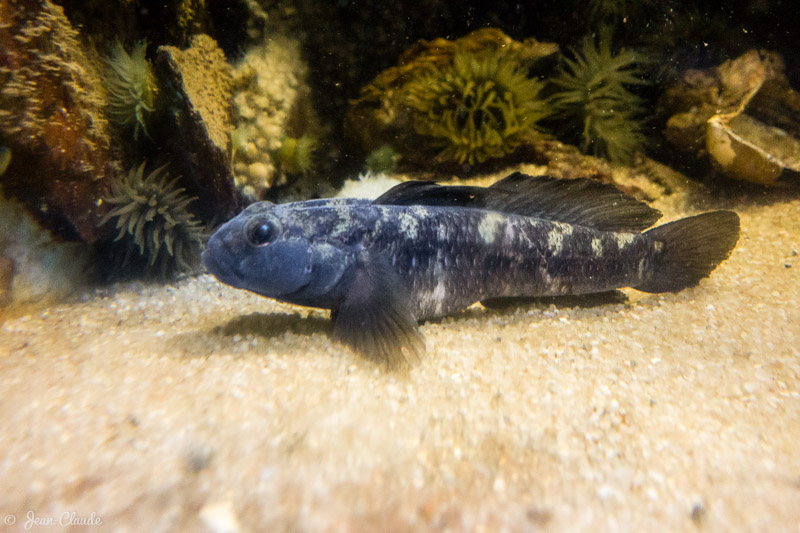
{"points": [[207, 257], [217, 257]]}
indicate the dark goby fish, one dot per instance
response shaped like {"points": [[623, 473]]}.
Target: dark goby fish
{"points": [[423, 250]]}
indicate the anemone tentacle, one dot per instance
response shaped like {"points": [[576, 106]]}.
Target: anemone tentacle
{"points": [[479, 107], [131, 87], [593, 93], [151, 214]]}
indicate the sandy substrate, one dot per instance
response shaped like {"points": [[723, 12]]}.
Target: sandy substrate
{"points": [[199, 407]]}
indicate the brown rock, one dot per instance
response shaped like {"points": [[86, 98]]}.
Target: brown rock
{"points": [[51, 117], [742, 115], [6, 280], [202, 134], [567, 162]]}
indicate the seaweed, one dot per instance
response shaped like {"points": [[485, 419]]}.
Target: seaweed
{"points": [[151, 216], [593, 95], [478, 107], [131, 87]]}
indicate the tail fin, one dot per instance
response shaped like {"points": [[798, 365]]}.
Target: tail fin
{"points": [[692, 248]]}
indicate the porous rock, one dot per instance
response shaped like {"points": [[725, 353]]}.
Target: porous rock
{"points": [[271, 102]]}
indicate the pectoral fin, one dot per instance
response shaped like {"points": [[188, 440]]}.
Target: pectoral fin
{"points": [[375, 317]]}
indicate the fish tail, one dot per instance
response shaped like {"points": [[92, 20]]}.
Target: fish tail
{"points": [[690, 249]]}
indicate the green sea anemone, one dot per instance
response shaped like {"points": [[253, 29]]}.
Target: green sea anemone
{"points": [[478, 107], [593, 94], [296, 155], [151, 215], [382, 160], [131, 87]]}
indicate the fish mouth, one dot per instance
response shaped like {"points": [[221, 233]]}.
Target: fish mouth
{"points": [[222, 271], [208, 261]]}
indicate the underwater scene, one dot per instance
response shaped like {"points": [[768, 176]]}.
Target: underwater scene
{"points": [[339, 265]]}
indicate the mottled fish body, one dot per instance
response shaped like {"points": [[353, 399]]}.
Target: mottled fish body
{"points": [[423, 250]]}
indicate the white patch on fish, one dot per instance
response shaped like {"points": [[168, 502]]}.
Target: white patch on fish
{"points": [[597, 247], [555, 237], [409, 224], [624, 240], [489, 225]]}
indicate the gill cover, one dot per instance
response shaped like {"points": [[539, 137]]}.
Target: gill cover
{"points": [[295, 271]]}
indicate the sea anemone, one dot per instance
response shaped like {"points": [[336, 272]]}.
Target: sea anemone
{"points": [[593, 95], [382, 160], [478, 107], [151, 215], [296, 155], [131, 87]]}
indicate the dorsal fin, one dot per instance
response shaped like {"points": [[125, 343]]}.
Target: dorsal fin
{"points": [[430, 193], [579, 201]]}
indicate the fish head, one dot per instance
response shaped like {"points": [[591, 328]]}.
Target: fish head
{"points": [[267, 252]]}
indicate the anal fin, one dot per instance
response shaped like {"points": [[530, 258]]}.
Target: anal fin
{"points": [[594, 299]]}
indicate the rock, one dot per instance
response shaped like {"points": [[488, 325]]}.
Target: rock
{"points": [[271, 104], [5, 158], [33, 265], [761, 140], [201, 135], [742, 115], [6, 280], [566, 161], [220, 517], [52, 118]]}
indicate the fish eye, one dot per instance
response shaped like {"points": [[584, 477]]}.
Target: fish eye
{"points": [[260, 234]]}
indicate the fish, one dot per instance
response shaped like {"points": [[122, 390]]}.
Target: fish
{"points": [[424, 250]]}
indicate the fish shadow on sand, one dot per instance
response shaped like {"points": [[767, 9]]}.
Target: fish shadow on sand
{"points": [[271, 325], [266, 326], [262, 326]]}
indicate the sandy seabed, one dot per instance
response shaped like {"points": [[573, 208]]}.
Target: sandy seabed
{"points": [[197, 407]]}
